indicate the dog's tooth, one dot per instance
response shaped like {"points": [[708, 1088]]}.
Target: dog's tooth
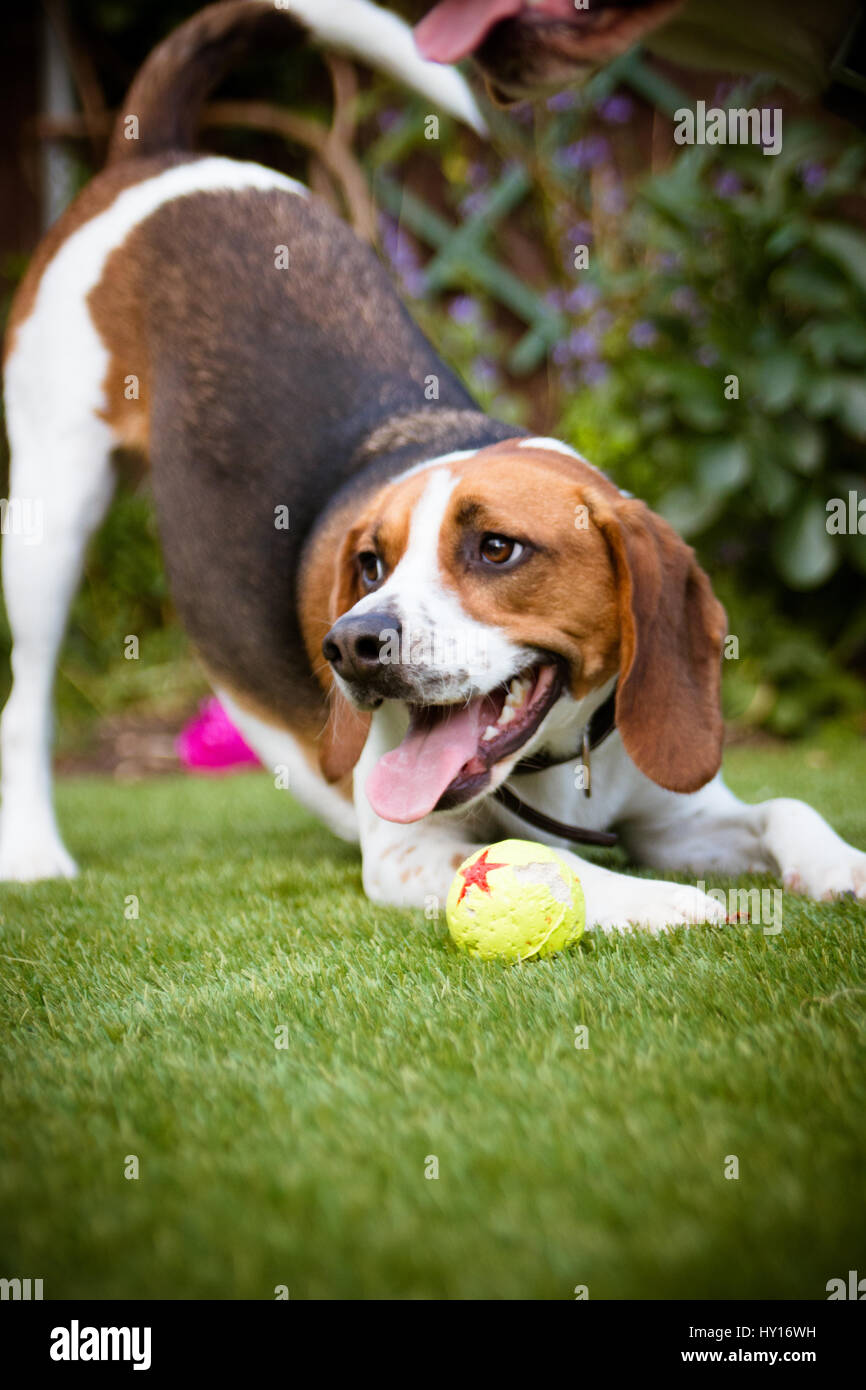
{"points": [[506, 716], [489, 733], [517, 692]]}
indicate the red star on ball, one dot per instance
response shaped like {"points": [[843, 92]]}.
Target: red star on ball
{"points": [[477, 874]]}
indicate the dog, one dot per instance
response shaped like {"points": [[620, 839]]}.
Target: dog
{"points": [[526, 47], [523, 47], [443, 629]]}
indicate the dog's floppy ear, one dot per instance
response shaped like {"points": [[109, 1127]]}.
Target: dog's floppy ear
{"points": [[672, 627], [345, 733], [343, 738]]}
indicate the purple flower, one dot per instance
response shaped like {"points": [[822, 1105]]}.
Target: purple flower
{"points": [[643, 334], [561, 353], [485, 372], [594, 373], [562, 101], [728, 184], [813, 175], [473, 203], [618, 109], [465, 309], [402, 256], [387, 119], [583, 344], [581, 299], [685, 301], [387, 228], [413, 282], [586, 153], [613, 199], [397, 246], [580, 234]]}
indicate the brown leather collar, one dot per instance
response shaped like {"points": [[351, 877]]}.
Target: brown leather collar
{"points": [[601, 724]]}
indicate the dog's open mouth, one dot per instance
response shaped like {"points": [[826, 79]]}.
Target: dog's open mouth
{"points": [[455, 28], [449, 751]]}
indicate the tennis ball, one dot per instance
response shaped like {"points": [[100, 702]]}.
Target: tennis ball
{"points": [[514, 900]]}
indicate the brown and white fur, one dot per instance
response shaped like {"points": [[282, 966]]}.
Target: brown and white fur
{"points": [[262, 387]]}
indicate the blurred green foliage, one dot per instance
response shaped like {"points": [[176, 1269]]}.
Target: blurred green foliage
{"points": [[734, 401]]}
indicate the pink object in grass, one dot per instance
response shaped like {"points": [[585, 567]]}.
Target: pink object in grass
{"points": [[211, 743]]}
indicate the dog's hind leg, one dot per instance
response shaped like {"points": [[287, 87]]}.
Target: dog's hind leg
{"points": [[60, 483]]}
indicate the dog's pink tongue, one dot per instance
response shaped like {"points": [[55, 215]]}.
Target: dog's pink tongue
{"points": [[455, 28], [406, 784]]}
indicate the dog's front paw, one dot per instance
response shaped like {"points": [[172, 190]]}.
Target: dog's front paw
{"points": [[649, 905], [29, 862], [836, 872]]}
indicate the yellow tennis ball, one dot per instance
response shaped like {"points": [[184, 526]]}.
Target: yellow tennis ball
{"points": [[515, 900]]}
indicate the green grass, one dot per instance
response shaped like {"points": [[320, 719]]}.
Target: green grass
{"points": [[305, 1166]]}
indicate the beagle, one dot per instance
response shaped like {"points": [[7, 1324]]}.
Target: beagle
{"points": [[436, 624], [526, 46]]}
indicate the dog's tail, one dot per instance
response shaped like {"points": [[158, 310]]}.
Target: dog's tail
{"points": [[168, 92]]}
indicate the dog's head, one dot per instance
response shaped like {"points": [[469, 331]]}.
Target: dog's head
{"points": [[524, 46], [489, 592]]}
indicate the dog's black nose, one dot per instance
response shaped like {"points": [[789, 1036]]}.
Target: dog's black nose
{"points": [[358, 646]]}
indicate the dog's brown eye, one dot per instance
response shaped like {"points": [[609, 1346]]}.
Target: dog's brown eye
{"points": [[498, 550], [371, 567]]}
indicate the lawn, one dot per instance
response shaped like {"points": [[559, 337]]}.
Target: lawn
{"points": [[304, 1165]]}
